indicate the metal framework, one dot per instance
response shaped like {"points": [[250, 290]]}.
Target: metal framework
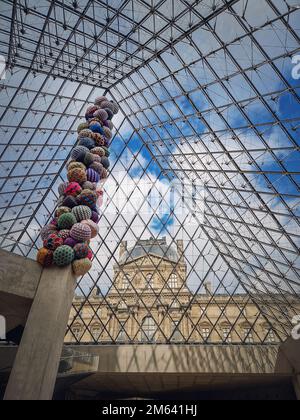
{"points": [[209, 97]]}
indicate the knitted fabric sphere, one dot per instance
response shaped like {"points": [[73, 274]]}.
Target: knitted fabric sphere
{"points": [[107, 133], [90, 255], [110, 113], [66, 221], [60, 201], [70, 242], [64, 234], [104, 174], [94, 227], [110, 125], [76, 165], [92, 108], [54, 222], [97, 158], [53, 242], [115, 108], [85, 133], [107, 153], [100, 140], [82, 213], [81, 251], [105, 162], [95, 217], [45, 257], [63, 256], [100, 100], [62, 187], [69, 202], [89, 159], [108, 105], [81, 267], [81, 232], [89, 185], [101, 114], [96, 127], [96, 166], [73, 189], [99, 151], [82, 126], [92, 175], [62, 210], [87, 198], [77, 175], [87, 142], [78, 151]]}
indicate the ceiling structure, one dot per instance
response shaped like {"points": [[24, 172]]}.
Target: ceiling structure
{"points": [[209, 104]]}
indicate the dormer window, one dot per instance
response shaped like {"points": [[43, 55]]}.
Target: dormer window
{"points": [[173, 281]]}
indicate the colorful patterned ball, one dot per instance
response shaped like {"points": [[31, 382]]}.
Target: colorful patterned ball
{"points": [[101, 114], [63, 256], [66, 221], [87, 142], [82, 126], [81, 267], [54, 222], [99, 151], [53, 242], [78, 151], [89, 159], [87, 198], [110, 113], [105, 162], [89, 185], [62, 187], [90, 254], [100, 100], [45, 257], [95, 217], [76, 165], [85, 133], [110, 125], [82, 213], [81, 232], [97, 128], [64, 234], [62, 210], [69, 202], [107, 133], [77, 175], [92, 175], [73, 189], [97, 158], [96, 166], [107, 153], [81, 251], [94, 227], [70, 242]]}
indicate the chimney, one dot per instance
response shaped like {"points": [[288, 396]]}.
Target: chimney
{"points": [[123, 248], [208, 288]]}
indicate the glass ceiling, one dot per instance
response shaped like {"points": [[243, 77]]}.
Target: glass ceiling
{"points": [[208, 104]]}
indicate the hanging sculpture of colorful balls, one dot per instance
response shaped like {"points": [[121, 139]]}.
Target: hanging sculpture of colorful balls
{"points": [[67, 236]]}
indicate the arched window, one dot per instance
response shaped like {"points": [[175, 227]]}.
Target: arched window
{"points": [[149, 281], [173, 281], [126, 279], [148, 329]]}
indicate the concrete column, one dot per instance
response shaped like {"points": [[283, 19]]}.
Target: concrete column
{"points": [[36, 365]]}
